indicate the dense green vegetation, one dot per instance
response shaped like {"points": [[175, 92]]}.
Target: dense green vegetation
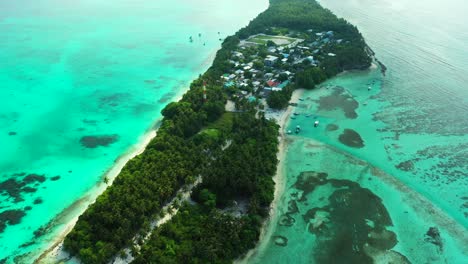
{"points": [[280, 99], [203, 233], [234, 153], [196, 235]]}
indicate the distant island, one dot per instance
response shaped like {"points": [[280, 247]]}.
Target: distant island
{"points": [[209, 170]]}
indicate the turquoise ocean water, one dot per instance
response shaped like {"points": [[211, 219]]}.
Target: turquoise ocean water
{"points": [[81, 82], [388, 163]]}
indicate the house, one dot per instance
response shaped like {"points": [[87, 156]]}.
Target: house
{"points": [[270, 60], [268, 75], [284, 60], [239, 72], [273, 83], [229, 84], [330, 33], [310, 58], [272, 49], [238, 54], [232, 76]]}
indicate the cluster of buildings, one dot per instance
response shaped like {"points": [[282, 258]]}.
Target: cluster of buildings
{"points": [[257, 70]]}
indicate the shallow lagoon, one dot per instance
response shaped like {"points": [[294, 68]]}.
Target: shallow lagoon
{"points": [[337, 191], [82, 83], [414, 131]]}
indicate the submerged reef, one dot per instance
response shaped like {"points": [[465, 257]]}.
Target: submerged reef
{"points": [[332, 127], [14, 187], [98, 141], [10, 217], [350, 227], [351, 138], [339, 99], [12, 193]]}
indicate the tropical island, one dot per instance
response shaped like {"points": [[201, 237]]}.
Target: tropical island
{"points": [[215, 153]]}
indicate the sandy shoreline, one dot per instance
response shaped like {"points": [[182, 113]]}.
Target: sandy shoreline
{"points": [[54, 253], [280, 177]]}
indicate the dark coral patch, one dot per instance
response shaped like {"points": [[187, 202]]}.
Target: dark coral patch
{"points": [[37, 201], [332, 127], [10, 217], [12, 133], [308, 181], [433, 236], [55, 178], [287, 220], [382, 239], [339, 99], [405, 166], [33, 178], [354, 218], [98, 141], [14, 187], [28, 189], [351, 138]]}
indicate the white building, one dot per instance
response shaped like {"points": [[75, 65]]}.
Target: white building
{"points": [[270, 60]]}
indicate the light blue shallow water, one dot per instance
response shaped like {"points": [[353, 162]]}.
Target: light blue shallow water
{"points": [[424, 98], [414, 127], [74, 69]]}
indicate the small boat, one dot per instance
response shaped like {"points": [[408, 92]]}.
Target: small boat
{"points": [[288, 132], [300, 99], [316, 123], [369, 88], [295, 114], [298, 129]]}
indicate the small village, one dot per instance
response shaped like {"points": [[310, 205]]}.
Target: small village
{"points": [[267, 63]]}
